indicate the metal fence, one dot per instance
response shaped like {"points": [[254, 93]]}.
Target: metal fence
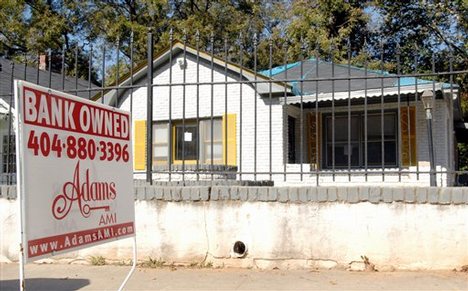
{"points": [[310, 120]]}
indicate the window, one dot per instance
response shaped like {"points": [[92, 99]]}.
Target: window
{"points": [[291, 139], [8, 162], [206, 141], [160, 143], [186, 140], [342, 149], [189, 142], [355, 149]]}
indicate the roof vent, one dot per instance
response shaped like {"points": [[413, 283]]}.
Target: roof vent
{"points": [[182, 63]]}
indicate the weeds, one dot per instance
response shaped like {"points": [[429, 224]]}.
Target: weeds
{"points": [[98, 261], [153, 263], [369, 267], [204, 265]]}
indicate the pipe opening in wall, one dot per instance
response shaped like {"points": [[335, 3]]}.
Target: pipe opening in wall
{"points": [[239, 249]]}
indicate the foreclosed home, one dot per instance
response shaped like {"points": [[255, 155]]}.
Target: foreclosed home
{"points": [[310, 122], [10, 71]]}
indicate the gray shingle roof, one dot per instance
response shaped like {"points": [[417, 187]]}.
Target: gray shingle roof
{"points": [[327, 70], [20, 71]]}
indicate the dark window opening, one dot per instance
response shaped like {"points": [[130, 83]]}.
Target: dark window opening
{"points": [[349, 141], [291, 139], [186, 142]]}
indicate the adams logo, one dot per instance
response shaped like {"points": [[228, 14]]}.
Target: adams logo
{"points": [[83, 194]]}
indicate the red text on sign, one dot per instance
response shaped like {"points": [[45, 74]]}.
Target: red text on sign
{"points": [[49, 110]]}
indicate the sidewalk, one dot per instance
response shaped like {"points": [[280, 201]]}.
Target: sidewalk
{"points": [[83, 277]]}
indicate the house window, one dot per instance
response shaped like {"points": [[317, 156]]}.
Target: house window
{"points": [[160, 143], [189, 142], [343, 150], [8, 162], [186, 140], [207, 138], [291, 139], [354, 150]]}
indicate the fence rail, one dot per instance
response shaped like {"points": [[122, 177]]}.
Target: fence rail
{"points": [[314, 120]]}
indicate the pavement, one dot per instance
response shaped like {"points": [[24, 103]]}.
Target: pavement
{"points": [[109, 277]]}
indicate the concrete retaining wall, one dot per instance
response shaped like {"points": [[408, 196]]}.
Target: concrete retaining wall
{"points": [[325, 227]]}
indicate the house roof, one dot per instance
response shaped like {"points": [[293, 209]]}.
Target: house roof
{"points": [[29, 74], [371, 85], [319, 69], [139, 71]]}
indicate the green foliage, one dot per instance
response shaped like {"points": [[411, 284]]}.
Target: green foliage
{"points": [[153, 263], [300, 25], [111, 72], [206, 265], [328, 25], [422, 29], [124, 263], [463, 156], [202, 265], [98, 261], [464, 105]]}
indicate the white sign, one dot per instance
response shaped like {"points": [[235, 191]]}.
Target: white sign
{"points": [[74, 171], [187, 136]]}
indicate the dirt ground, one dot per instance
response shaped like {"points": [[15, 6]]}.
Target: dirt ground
{"points": [[109, 277]]}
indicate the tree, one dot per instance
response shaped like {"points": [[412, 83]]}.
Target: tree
{"points": [[29, 28], [326, 24], [421, 29]]}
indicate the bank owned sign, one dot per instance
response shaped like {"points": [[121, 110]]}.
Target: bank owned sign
{"points": [[74, 171]]}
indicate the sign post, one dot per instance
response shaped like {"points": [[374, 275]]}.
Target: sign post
{"points": [[74, 167]]}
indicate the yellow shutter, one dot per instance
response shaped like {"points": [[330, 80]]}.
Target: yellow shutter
{"points": [[139, 144], [408, 136], [314, 133], [229, 139]]}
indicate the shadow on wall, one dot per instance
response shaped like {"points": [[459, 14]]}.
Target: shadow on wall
{"points": [[45, 284]]}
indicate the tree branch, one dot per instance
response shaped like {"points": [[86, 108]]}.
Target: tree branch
{"points": [[446, 41]]}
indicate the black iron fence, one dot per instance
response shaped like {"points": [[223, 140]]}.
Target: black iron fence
{"points": [[313, 120]]}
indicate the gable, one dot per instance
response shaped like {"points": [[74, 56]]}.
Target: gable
{"points": [[234, 71]]}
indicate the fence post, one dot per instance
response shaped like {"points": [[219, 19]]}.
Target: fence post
{"points": [[10, 126], [149, 106]]}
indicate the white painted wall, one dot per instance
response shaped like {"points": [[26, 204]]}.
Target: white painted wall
{"points": [[401, 235]]}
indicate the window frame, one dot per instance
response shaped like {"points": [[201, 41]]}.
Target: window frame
{"points": [[291, 145], [361, 139], [207, 141], [158, 160], [203, 158], [180, 124]]}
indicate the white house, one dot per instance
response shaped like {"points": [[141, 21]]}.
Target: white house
{"points": [[213, 115]]}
